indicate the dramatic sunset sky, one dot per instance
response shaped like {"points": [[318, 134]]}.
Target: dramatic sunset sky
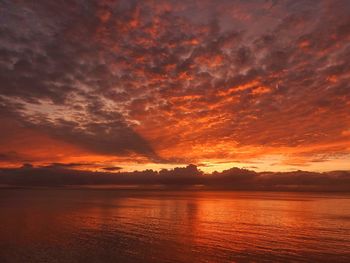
{"points": [[263, 85]]}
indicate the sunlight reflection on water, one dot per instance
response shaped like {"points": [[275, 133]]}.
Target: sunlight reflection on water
{"points": [[58, 225]]}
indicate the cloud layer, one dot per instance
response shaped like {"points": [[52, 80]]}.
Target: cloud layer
{"points": [[174, 82], [189, 176]]}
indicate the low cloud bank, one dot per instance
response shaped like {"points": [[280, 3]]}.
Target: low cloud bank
{"points": [[234, 178]]}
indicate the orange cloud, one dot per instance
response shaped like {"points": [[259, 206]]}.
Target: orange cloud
{"points": [[148, 84]]}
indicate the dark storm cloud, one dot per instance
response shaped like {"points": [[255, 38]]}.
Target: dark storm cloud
{"points": [[102, 136]]}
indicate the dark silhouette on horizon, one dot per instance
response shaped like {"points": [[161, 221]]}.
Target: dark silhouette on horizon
{"points": [[235, 178]]}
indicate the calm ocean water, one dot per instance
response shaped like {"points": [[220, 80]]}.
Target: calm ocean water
{"points": [[57, 225]]}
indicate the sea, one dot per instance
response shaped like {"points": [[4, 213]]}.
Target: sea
{"points": [[137, 225]]}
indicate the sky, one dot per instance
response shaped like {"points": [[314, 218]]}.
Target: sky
{"points": [[133, 85]]}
